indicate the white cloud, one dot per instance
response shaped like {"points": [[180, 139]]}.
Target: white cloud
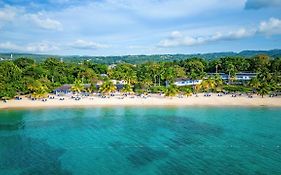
{"points": [[177, 38], [130, 26], [46, 47], [138, 47], [8, 13], [9, 46], [162, 9], [42, 47], [44, 22], [270, 27], [82, 44], [19, 15]]}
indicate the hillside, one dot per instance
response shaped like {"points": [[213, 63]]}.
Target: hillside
{"points": [[144, 58]]}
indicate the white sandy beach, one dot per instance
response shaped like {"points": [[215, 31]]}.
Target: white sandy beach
{"points": [[155, 100]]}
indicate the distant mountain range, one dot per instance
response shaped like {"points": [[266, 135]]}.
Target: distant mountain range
{"points": [[143, 58]]}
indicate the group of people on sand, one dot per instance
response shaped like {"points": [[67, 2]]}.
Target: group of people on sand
{"points": [[79, 96]]}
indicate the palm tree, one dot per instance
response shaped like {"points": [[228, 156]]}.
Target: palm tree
{"points": [[107, 87], [38, 89], [231, 69], [218, 64], [77, 86], [41, 92], [263, 89], [171, 91], [264, 75], [273, 86], [144, 76], [92, 88], [154, 67], [161, 72], [187, 92], [125, 72], [255, 83], [197, 88], [131, 77], [169, 75], [218, 82], [146, 83], [208, 84], [205, 85], [127, 89]]}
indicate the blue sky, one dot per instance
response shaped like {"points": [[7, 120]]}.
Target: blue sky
{"points": [[121, 27]]}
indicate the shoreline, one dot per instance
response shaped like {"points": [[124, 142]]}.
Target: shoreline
{"points": [[154, 101]]}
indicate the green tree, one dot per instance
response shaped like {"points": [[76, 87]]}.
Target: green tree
{"points": [[208, 84], [263, 89], [7, 91], [38, 89], [127, 88], [77, 86], [154, 72], [172, 72], [218, 82], [87, 75], [10, 76], [194, 69], [144, 76], [107, 87], [92, 88], [171, 91], [214, 65], [197, 88], [186, 91], [254, 83], [35, 71], [264, 76], [260, 62], [275, 65], [23, 63], [231, 69], [125, 72], [9, 72]]}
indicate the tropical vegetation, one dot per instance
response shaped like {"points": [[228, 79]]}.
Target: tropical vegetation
{"points": [[27, 76]]}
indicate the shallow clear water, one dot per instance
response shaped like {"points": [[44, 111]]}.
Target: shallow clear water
{"points": [[141, 141]]}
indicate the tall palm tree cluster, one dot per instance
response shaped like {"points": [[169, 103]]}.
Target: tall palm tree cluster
{"points": [[26, 76]]}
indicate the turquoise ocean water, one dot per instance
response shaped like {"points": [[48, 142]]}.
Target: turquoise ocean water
{"points": [[146, 141]]}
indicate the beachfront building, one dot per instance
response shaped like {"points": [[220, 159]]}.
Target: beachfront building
{"points": [[66, 88], [245, 76], [186, 82], [116, 82], [241, 76], [223, 76]]}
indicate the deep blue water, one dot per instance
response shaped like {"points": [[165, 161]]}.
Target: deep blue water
{"points": [[140, 141]]}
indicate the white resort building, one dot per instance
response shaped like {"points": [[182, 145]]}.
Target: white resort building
{"points": [[186, 82], [240, 77]]}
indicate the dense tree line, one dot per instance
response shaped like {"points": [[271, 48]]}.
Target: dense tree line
{"points": [[138, 59], [25, 76]]}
